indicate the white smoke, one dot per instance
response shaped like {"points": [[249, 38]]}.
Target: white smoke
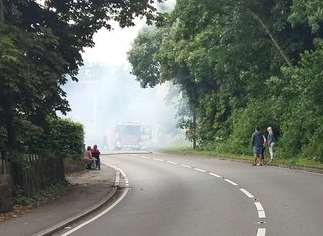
{"points": [[107, 93]]}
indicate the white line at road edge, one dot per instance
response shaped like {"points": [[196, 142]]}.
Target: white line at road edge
{"points": [[261, 232], [249, 195], [215, 175], [186, 166], [157, 159], [106, 210], [171, 162], [231, 182], [200, 170]]}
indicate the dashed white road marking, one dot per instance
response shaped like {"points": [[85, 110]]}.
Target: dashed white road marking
{"points": [[215, 175], [171, 162], [260, 210], [259, 206], [249, 195], [231, 182], [187, 166], [261, 232], [200, 170], [261, 214]]}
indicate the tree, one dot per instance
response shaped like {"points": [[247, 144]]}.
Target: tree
{"points": [[41, 49], [243, 64]]}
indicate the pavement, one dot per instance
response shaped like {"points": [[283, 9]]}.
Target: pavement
{"points": [[87, 190], [188, 196]]}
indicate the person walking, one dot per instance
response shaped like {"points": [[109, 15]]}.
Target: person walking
{"points": [[264, 141], [257, 144], [96, 154], [271, 141]]}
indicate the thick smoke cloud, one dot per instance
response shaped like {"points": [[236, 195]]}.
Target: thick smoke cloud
{"points": [[107, 93], [106, 96]]}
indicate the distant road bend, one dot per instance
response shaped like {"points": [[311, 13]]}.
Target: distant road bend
{"points": [[190, 196]]}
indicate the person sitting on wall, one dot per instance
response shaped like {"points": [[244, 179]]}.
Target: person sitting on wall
{"points": [[96, 155], [88, 159]]}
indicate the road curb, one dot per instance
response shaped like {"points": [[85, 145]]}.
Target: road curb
{"points": [[61, 225]]}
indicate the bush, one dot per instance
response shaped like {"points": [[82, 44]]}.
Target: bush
{"points": [[66, 137], [302, 135], [257, 114], [61, 136]]}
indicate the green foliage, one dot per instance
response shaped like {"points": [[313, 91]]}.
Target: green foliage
{"points": [[243, 64], [309, 12], [142, 57], [50, 193], [61, 136], [40, 49], [66, 137], [256, 114]]}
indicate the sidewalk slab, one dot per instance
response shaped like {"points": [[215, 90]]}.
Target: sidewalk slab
{"points": [[87, 190]]}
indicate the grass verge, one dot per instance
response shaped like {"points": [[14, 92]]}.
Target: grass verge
{"points": [[306, 164]]}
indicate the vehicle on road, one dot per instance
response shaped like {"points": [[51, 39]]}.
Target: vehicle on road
{"points": [[130, 136]]}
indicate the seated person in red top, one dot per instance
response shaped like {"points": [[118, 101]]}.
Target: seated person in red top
{"points": [[96, 155]]}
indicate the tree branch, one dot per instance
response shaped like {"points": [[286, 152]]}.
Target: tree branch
{"points": [[282, 53]]}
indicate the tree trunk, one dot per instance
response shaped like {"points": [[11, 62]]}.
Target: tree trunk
{"points": [[1, 12]]}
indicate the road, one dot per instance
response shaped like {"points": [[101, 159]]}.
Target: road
{"points": [[190, 196]]}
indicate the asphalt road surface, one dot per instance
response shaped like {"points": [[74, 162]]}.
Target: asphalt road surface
{"points": [[189, 196]]}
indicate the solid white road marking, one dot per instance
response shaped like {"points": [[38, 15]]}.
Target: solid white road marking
{"points": [[106, 210], [157, 159], [146, 157], [261, 232], [200, 170], [186, 166], [231, 182], [171, 162], [259, 206], [97, 216], [215, 175], [249, 195]]}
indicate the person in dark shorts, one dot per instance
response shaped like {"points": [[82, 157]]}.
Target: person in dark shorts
{"points": [[257, 143], [96, 154]]}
